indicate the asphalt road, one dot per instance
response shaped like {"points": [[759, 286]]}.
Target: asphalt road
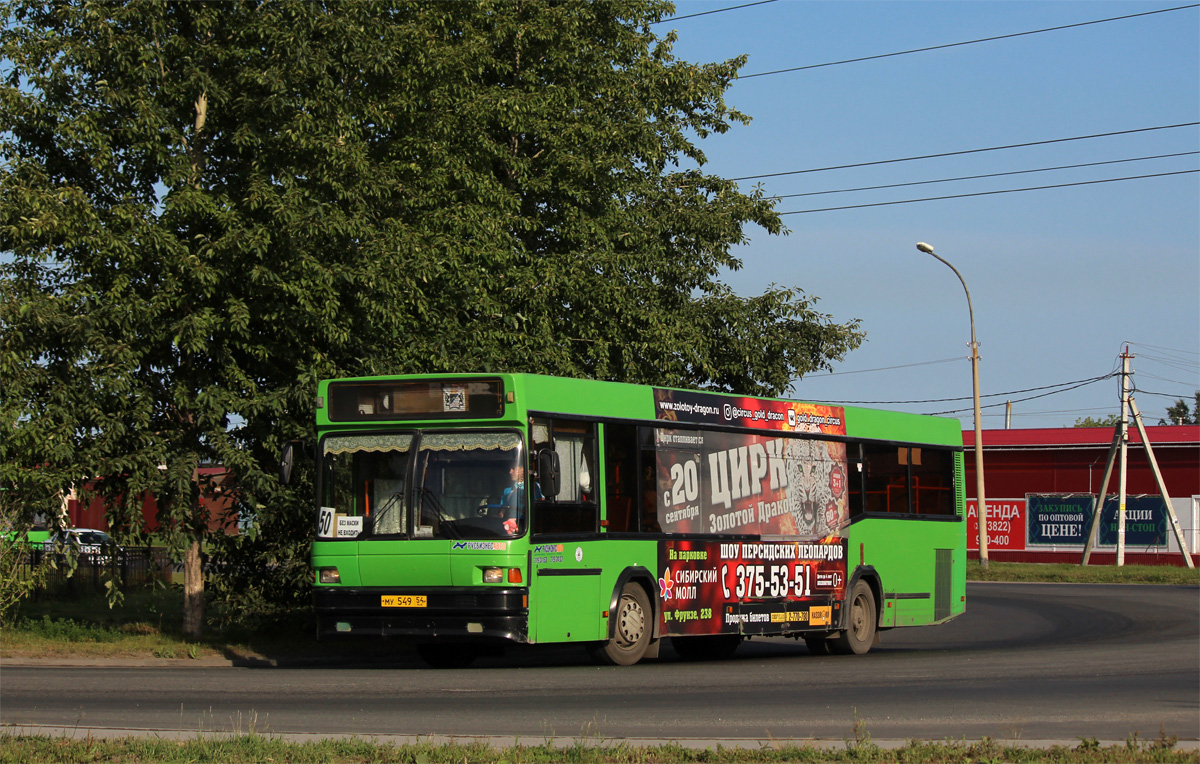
{"points": [[1028, 661]]}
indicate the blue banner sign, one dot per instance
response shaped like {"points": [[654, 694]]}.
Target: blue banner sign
{"points": [[1145, 521], [1058, 519], [1064, 520]]}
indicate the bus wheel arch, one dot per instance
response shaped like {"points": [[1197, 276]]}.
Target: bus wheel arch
{"points": [[860, 615], [870, 576], [633, 621]]}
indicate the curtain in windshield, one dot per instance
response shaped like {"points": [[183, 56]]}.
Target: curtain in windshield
{"points": [[461, 482], [364, 477]]}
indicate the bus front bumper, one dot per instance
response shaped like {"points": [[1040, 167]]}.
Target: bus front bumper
{"points": [[443, 612]]}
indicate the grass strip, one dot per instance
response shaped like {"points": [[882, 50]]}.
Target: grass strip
{"points": [[264, 748], [1068, 573]]}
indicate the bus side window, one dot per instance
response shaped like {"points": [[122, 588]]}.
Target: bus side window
{"points": [[854, 487], [933, 481], [574, 509], [620, 477], [885, 478], [648, 520]]}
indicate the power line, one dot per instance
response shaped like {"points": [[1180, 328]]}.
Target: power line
{"points": [[718, 10], [1180, 360], [1165, 379], [1022, 400], [989, 193], [1178, 364], [1177, 396], [1160, 347], [1047, 412], [1076, 383], [987, 175], [965, 42], [967, 151], [889, 368]]}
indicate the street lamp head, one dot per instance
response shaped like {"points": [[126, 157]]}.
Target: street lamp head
{"points": [[926, 248]]}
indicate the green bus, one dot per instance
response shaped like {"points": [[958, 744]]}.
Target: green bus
{"points": [[648, 513]]}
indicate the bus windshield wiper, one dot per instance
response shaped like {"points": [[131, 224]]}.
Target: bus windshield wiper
{"points": [[449, 529], [393, 501]]}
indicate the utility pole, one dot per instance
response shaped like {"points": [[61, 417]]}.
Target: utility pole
{"points": [[1121, 482], [1120, 442]]}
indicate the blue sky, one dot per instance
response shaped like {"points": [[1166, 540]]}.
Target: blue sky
{"points": [[1060, 279]]}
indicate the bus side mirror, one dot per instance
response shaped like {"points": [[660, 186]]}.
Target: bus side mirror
{"points": [[548, 473], [285, 462]]}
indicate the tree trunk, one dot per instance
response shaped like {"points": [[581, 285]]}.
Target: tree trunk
{"points": [[193, 592]]}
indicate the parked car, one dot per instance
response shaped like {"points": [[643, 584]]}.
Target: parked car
{"points": [[94, 546]]}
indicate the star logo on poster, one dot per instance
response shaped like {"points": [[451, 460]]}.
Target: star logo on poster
{"points": [[665, 585]]}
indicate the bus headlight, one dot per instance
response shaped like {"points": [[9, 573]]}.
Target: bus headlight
{"points": [[501, 575], [328, 576]]}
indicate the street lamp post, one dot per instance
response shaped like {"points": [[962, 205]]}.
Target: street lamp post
{"points": [[979, 500]]}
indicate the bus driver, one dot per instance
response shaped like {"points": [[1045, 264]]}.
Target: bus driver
{"points": [[512, 500]]}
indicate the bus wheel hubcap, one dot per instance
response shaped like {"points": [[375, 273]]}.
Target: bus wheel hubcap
{"points": [[858, 618], [632, 622]]}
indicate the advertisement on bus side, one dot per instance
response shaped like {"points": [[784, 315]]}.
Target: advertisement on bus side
{"points": [[761, 587], [793, 491], [745, 483], [756, 413]]}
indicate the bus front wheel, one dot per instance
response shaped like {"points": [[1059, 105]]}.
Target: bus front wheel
{"points": [[859, 633], [631, 629]]}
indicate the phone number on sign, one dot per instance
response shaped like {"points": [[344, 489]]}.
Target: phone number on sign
{"points": [[757, 581]]}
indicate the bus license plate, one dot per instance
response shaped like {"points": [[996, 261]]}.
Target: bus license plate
{"points": [[403, 600]]}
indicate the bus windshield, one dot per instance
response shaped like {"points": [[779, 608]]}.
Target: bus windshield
{"points": [[466, 484]]}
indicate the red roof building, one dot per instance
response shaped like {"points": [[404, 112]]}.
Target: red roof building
{"points": [[1071, 460]]}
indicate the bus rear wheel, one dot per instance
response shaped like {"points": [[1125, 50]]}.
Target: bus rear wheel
{"points": [[859, 634], [631, 629], [709, 647]]}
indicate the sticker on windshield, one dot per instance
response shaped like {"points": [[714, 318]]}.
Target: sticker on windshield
{"points": [[349, 527], [325, 523], [454, 398]]}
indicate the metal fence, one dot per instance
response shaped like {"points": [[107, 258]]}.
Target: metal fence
{"points": [[126, 568]]}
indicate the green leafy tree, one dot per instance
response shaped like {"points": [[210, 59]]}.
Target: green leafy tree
{"points": [[21, 572], [1179, 412], [1112, 420], [207, 207]]}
